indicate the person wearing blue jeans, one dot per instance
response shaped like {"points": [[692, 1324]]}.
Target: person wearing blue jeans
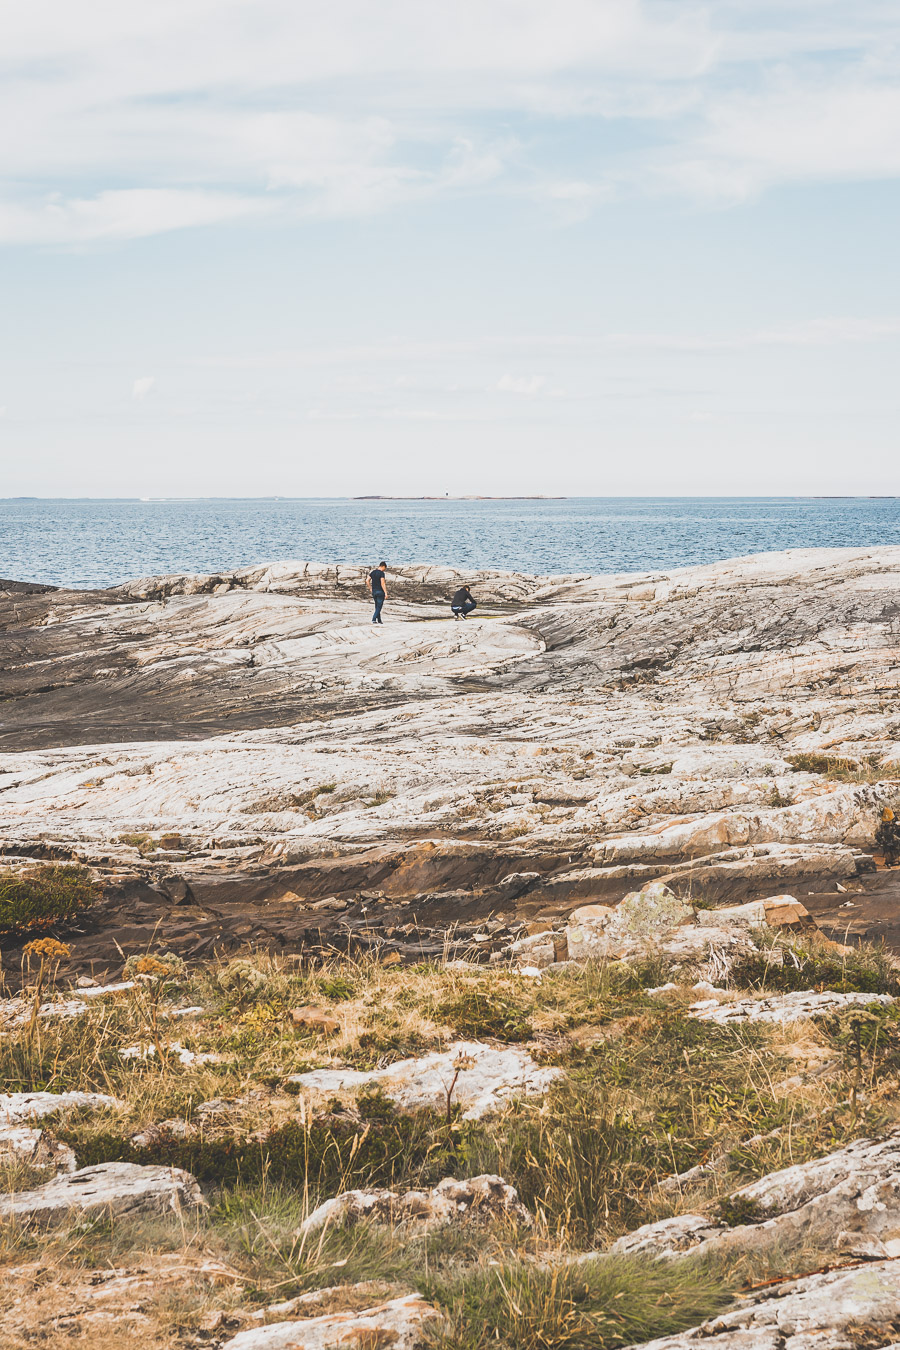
{"points": [[462, 603], [375, 583]]}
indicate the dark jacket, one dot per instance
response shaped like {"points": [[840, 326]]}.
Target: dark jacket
{"points": [[462, 597]]}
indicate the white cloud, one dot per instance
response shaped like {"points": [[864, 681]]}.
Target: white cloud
{"points": [[126, 214], [131, 118], [142, 386], [795, 130], [529, 385]]}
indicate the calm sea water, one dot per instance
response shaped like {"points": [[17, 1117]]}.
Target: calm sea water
{"points": [[98, 543]]}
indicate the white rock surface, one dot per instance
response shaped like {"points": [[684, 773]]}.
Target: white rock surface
{"points": [[820, 1312], [846, 1202], [118, 1188], [15, 1012], [484, 1197], [482, 1077], [185, 1056], [396, 1325], [524, 729], [783, 1008], [24, 1144], [17, 1107]]}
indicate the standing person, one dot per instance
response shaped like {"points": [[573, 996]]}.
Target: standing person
{"points": [[462, 602], [375, 583]]}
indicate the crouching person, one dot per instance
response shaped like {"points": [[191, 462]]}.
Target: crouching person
{"points": [[462, 603]]}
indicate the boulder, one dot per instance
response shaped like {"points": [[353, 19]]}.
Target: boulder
{"points": [[778, 911], [641, 920], [484, 1198], [479, 1078], [836, 1310], [397, 1324], [783, 1008], [118, 1188], [846, 1203]]}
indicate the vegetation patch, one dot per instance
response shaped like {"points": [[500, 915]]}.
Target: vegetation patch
{"points": [[44, 897], [478, 1011], [373, 1144], [866, 770], [815, 963]]}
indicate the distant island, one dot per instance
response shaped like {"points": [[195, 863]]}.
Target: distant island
{"points": [[472, 497]]}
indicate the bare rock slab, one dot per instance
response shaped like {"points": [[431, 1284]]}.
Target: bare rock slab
{"points": [[823, 1311], [482, 1198], [480, 1078], [846, 1202], [397, 1324], [793, 1007], [118, 1188]]}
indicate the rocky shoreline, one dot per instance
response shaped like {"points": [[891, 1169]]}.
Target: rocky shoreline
{"points": [[243, 749], [609, 852]]}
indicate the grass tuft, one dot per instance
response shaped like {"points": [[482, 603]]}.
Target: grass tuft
{"points": [[594, 1304]]}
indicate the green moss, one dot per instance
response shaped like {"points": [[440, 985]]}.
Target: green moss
{"points": [[739, 1209], [337, 987]]}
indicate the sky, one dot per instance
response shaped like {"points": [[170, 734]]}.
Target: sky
{"points": [[339, 247]]}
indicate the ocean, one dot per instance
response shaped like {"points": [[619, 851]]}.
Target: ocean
{"points": [[101, 542]]}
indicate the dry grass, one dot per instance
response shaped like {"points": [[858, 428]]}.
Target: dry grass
{"points": [[866, 770], [647, 1092]]}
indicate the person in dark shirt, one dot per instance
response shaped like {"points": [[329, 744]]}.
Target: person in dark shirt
{"points": [[375, 583], [462, 602]]}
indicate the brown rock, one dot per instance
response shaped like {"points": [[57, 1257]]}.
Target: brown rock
{"points": [[783, 911], [315, 1019]]}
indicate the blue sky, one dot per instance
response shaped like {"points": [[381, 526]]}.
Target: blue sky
{"points": [[595, 246]]}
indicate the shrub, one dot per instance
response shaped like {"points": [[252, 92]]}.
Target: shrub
{"points": [[242, 979], [44, 896], [162, 968]]}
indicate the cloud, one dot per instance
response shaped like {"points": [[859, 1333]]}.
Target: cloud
{"points": [[126, 214], [142, 386], [793, 130], [529, 385], [135, 119]]}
